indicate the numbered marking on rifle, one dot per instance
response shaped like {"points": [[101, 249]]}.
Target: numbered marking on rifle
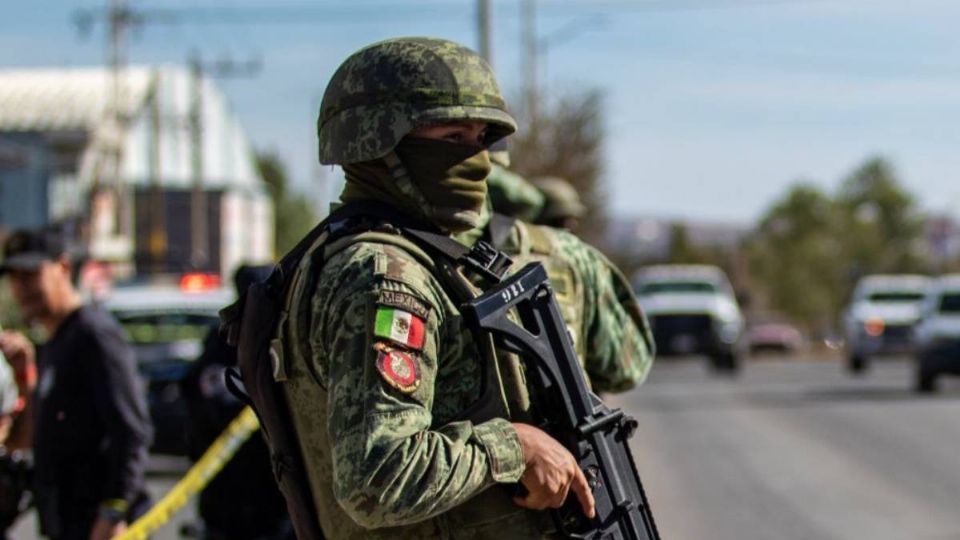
{"points": [[514, 291]]}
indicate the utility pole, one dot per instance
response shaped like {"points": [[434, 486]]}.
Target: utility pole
{"points": [[157, 240], [109, 212], [484, 31], [530, 63], [199, 245], [118, 18], [199, 215], [120, 223]]}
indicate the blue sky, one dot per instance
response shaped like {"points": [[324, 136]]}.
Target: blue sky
{"points": [[713, 107]]}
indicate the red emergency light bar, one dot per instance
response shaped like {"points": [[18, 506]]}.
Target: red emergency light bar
{"points": [[199, 282]]}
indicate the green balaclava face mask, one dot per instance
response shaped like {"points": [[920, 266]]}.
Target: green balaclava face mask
{"points": [[451, 178]]}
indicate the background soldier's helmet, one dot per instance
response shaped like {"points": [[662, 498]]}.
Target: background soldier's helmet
{"points": [[561, 200], [382, 92], [500, 153]]}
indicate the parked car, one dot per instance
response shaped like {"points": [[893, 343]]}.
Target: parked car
{"points": [[167, 325], [692, 310], [774, 334], [881, 317], [938, 334]]}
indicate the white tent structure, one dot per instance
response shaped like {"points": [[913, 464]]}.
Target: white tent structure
{"points": [[133, 174]]}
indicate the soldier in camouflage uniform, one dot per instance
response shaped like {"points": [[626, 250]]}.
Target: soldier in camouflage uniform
{"points": [[610, 333], [408, 427], [561, 208]]}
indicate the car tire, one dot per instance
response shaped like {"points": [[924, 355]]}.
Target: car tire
{"points": [[926, 383], [857, 364], [727, 363]]}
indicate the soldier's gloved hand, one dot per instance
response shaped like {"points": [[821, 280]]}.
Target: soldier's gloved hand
{"points": [[551, 473]]}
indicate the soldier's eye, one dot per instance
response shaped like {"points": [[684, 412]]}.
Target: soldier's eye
{"points": [[456, 137]]}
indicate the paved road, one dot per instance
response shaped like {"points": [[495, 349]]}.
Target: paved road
{"points": [[798, 451], [790, 450]]}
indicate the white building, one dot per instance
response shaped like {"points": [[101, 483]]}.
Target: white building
{"points": [[131, 186]]}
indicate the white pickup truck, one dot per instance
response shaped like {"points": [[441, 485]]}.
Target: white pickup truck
{"points": [[692, 310], [881, 317]]}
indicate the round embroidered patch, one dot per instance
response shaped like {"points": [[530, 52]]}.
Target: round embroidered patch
{"points": [[399, 369]]}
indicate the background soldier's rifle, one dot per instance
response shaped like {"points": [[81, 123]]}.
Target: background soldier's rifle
{"points": [[596, 435]]}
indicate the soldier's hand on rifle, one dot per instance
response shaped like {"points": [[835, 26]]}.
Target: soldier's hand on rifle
{"points": [[551, 473]]}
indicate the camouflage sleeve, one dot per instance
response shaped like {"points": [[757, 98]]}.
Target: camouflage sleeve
{"points": [[392, 465], [620, 346]]}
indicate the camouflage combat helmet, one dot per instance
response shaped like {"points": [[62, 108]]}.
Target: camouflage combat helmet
{"points": [[382, 92], [561, 200]]}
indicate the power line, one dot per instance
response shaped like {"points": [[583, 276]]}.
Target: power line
{"points": [[312, 14]]}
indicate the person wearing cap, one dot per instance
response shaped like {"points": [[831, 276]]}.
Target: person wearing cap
{"points": [[92, 429]]}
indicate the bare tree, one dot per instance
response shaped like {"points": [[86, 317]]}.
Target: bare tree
{"points": [[565, 139]]}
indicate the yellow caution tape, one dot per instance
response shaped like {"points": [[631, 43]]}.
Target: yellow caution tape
{"points": [[197, 477]]}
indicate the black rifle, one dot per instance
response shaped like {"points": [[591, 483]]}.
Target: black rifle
{"points": [[596, 435]]}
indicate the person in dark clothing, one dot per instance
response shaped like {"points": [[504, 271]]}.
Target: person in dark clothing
{"points": [[242, 502], [92, 429]]}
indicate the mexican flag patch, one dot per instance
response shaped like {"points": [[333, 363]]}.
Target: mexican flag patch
{"points": [[401, 327]]}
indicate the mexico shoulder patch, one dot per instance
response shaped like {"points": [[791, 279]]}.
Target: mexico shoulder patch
{"points": [[405, 302], [399, 326], [399, 369]]}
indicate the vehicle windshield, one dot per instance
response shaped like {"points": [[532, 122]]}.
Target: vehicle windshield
{"points": [[950, 303], [156, 328], [676, 287], [896, 296]]}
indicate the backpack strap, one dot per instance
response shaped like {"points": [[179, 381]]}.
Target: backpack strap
{"points": [[340, 222], [499, 229], [482, 259]]}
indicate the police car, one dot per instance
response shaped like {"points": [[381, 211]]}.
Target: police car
{"points": [[167, 324]]}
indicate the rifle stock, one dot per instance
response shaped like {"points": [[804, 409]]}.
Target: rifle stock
{"points": [[596, 435]]}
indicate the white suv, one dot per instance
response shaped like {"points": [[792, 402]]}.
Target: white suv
{"points": [[881, 317], [938, 333], [692, 310]]}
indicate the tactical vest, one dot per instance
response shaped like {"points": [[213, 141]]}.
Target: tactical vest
{"points": [[527, 243], [492, 512]]}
